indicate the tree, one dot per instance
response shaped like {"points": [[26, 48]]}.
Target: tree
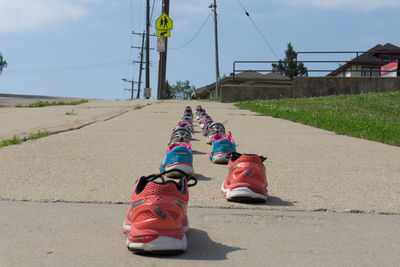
{"points": [[290, 67], [182, 90], [170, 94], [3, 63]]}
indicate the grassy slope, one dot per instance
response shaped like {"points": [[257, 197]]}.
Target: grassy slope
{"points": [[41, 104], [371, 116]]}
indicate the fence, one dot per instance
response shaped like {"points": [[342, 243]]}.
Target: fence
{"points": [[356, 61]]}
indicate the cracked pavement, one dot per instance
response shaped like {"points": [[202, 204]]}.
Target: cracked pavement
{"points": [[78, 182]]}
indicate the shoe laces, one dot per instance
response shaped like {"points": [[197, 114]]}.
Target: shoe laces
{"points": [[233, 156], [179, 135], [216, 127], [153, 177]]}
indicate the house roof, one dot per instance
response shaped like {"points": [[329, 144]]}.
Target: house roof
{"points": [[245, 76], [370, 57]]}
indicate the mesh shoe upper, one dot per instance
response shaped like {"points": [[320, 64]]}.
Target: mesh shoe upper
{"points": [[246, 170], [158, 208], [216, 128], [180, 135], [177, 153], [222, 144]]}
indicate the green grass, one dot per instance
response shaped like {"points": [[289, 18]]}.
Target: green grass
{"points": [[141, 106], [370, 116], [71, 113], [138, 106], [12, 141], [41, 104], [17, 140]]}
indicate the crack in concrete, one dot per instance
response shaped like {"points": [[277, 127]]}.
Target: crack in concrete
{"points": [[89, 123], [320, 210]]}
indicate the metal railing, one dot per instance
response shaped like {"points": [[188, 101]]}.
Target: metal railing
{"points": [[317, 70]]}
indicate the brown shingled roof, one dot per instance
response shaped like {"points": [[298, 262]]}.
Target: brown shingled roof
{"points": [[369, 58]]}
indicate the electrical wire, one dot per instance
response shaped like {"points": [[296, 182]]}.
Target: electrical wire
{"points": [[194, 37], [152, 10], [131, 36], [68, 68], [258, 29]]}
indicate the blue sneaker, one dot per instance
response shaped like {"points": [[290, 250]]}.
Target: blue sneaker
{"points": [[179, 156], [222, 145]]}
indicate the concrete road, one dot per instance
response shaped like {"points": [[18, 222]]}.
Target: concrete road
{"points": [[64, 234], [308, 170]]}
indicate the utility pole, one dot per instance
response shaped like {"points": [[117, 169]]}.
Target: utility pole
{"points": [[132, 83], [162, 65], [141, 53], [148, 45], [140, 68], [217, 87]]}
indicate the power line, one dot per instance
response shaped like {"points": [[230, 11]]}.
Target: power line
{"points": [[152, 10], [68, 68], [194, 37], [258, 29], [131, 37]]}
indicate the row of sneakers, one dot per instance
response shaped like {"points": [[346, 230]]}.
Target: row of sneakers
{"points": [[179, 154], [222, 143], [156, 220], [246, 179]]}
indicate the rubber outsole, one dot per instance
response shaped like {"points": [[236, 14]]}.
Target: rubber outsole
{"points": [[160, 244], [243, 194], [220, 159], [182, 167]]}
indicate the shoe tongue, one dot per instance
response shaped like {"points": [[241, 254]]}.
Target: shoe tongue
{"points": [[217, 136], [173, 145], [251, 157]]}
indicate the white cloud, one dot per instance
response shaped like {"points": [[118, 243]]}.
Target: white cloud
{"points": [[28, 15], [365, 5]]}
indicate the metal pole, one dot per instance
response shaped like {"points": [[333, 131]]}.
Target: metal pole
{"points": [[133, 82], [163, 59], [148, 44], [217, 88], [141, 68]]}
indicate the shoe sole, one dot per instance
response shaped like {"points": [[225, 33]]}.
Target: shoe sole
{"points": [[160, 244], [126, 228], [182, 167], [242, 194], [220, 159]]}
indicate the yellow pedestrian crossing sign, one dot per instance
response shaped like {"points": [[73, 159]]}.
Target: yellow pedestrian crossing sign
{"points": [[163, 33], [164, 22]]}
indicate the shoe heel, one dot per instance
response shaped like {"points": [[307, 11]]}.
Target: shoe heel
{"points": [[159, 244], [182, 167], [220, 158], [243, 194]]}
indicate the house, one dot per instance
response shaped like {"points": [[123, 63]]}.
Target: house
{"points": [[369, 63], [249, 77]]}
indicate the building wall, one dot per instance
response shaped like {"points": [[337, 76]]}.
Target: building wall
{"points": [[311, 87], [352, 71]]}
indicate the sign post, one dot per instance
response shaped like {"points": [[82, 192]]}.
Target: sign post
{"points": [[164, 24]]}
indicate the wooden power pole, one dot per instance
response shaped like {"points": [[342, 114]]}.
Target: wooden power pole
{"points": [[217, 86], [148, 45], [140, 67], [162, 65]]}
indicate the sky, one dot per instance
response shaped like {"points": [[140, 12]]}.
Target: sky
{"points": [[82, 48]]}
